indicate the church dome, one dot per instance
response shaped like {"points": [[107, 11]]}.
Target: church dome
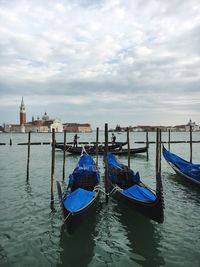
{"points": [[45, 117]]}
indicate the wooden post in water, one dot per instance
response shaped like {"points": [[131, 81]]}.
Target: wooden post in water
{"points": [[11, 139], [28, 159], [147, 144], [52, 167], [158, 153], [169, 139], [64, 152], [97, 145], [190, 143], [106, 161], [128, 143], [160, 149]]}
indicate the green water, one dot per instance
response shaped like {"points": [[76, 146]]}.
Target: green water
{"points": [[31, 234]]}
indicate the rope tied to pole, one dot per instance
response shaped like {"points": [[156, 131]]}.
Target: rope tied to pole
{"points": [[66, 218], [114, 190]]}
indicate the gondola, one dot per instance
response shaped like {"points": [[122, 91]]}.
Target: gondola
{"points": [[185, 169], [89, 148], [82, 193], [117, 151], [128, 188]]}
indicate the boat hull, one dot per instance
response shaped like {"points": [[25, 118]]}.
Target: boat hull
{"points": [[76, 218], [120, 152], [73, 220], [88, 148], [175, 162], [153, 210], [185, 176]]}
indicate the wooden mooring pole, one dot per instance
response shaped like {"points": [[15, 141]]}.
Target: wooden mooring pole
{"points": [[106, 161], [128, 143], [190, 143], [97, 145], [169, 139], [158, 153], [147, 144], [11, 139], [52, 167], [28, 159], [64, 153]]}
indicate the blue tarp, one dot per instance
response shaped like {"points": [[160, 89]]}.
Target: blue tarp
{"points": [[192, 170], [78, 199], [85, 168], [117, 170], [112, 161], [139, 193]]}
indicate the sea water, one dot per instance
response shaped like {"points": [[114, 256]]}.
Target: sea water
{"points": [[31, 234]]}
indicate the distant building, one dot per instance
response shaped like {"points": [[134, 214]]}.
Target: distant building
{"points": [[77, 127], [178, 128], [22, 113], [18, 128], [186, 127], [44, 125]]}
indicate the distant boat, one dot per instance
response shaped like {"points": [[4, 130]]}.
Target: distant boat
{"points": [[83, 193], [185, 169], [129, 189], [89, 148], [117, 151]]}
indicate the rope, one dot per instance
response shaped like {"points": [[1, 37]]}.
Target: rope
{"points": [[98, 187], [67, 217], [114, 190]]}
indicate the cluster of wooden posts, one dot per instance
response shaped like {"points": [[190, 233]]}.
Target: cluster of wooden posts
{"points": [[158, 155]]}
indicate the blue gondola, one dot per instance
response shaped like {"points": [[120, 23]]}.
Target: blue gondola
{"points": [[83, 193], [128, 188], [189, 171]]}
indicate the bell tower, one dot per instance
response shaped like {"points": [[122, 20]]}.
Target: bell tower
{"points": [[22, 113]]}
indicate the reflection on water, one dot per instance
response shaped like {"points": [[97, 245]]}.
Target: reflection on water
{"points": [[143, 236], [185, 189], [77, 249], [125, 238]]}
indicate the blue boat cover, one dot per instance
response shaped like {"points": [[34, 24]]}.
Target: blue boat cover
{"points": [[78, 199], [85, 168], [192, 170], [139, 193], [116, 169], [112, 161]]}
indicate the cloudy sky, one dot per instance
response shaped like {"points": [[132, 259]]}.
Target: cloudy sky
{"points": [[117, 61]]}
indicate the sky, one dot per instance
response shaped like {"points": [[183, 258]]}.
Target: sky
{"points": [[101, 61]]}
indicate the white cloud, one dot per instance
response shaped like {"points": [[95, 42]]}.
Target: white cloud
{"points": [[108, 50]]}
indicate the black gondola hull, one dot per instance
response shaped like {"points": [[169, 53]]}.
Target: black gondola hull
{"points": [[186, 177], [73, 220], [119, 152], [152, 210], [177, 169], [89, 148]]}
